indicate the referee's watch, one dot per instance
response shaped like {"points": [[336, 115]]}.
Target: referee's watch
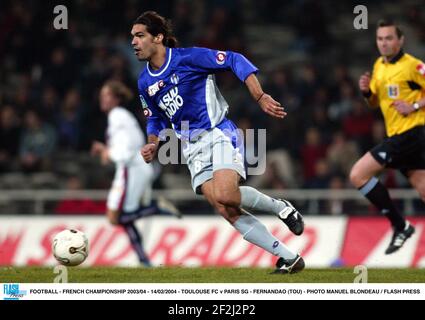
{"points": [[416, 106]]}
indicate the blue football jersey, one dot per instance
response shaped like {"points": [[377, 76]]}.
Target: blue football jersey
{"points": [[184, 89]]}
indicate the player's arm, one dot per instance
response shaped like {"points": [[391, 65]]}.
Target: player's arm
{"points": [[100, 149], [156, 122], [211, 61], [119, 149], [365, 86], [266, 102], [150, 149]]}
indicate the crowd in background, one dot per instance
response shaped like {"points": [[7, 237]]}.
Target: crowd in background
{"points": [[50, 80]]}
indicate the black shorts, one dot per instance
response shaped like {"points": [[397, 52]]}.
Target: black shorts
{"points": [[404, 151]]}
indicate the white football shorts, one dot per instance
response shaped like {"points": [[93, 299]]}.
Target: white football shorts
{"points": [[131, 187]]}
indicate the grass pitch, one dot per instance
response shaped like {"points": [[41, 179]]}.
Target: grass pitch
{"points": [[205, 275]]}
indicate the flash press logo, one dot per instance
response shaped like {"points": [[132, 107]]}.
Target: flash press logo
{"points": [[12, 291]]}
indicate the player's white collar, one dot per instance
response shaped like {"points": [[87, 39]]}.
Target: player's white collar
{"points": [[152, 73]]}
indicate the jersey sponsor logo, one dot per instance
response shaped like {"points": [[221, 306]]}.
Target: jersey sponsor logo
{"points": [[171, 102], [421, 69], [143, 101], [153, 89], [220, 57], [174, 79], [147, 112], [393, 91]]}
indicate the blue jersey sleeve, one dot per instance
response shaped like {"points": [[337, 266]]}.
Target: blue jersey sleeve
{"points": [[156, 121], [208, 60]]}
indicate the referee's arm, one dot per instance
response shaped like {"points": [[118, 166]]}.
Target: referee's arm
{"points": [[364, 85]]}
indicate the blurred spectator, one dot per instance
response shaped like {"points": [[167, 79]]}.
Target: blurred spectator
{"points": [[378, 132], [68, 121], [342, 154], [280, 172], [340, 75], [357, 124], [307, 83], [60, 69], [322, 176], [37, 143], [336, 206], [78, 206], [320, 120], [183, 21], [321, 180], [10, 132], [344, 105], [49, 106], [311, 152], [280, 87]]}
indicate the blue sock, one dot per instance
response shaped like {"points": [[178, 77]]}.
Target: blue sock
{"points": [[137, 243], [142, 212], [128, 217]]}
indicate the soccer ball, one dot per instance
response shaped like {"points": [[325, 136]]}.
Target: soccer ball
{"points": [[70, 247]]}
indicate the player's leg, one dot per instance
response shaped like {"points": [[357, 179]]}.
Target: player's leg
{"points": [[229, 155], [363, 177], [222, 191], [136, 241], [124, 196], [139, 203], [113, 216], [116, 196], [253, 201], [157, 207]]}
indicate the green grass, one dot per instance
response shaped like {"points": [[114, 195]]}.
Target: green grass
{"points": [[205, 275]]}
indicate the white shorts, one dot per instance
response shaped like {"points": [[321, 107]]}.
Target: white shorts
{"points": [[214, 150], [132, 186]]}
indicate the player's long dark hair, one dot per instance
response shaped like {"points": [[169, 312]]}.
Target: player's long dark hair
{"points": [[156, 24]]}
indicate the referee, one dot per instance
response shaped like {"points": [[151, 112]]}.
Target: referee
{"points": [[397, 86]]}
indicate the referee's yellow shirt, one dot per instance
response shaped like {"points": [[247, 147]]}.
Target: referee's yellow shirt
{"points": [[402, 78]]}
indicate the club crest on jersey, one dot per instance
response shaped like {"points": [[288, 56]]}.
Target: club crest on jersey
{"points": [[153, 89], [174, 79], [421, 69], [220, 57], [393, 91]]}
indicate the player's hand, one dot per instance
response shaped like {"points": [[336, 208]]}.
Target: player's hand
{"points": [[148, 152], [403, 107], [364, 82], [271, 106]]}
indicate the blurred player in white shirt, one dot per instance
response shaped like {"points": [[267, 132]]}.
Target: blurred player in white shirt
{"points": [[130, 195]]}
